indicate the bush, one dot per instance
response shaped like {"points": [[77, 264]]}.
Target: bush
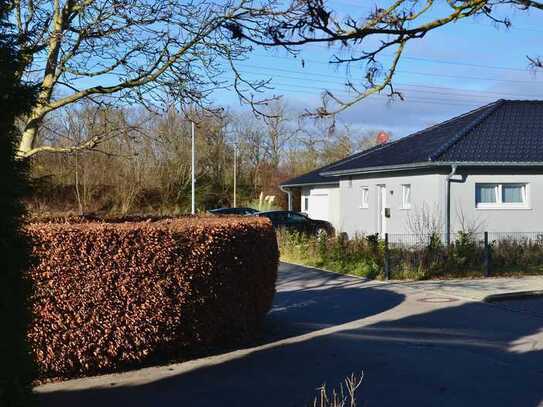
{"points": [[511, 255], [426, 258], [361, 256], [16, 371], [110, 296]]}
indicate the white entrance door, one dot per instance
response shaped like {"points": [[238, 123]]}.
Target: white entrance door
{"points": [[318, 206], [381, 205]]}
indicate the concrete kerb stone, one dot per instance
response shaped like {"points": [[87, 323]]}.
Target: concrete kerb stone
{"points": [[514, 295]]}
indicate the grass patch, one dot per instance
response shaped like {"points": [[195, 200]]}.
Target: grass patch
{"points": [[364, 256], [335, 254]]}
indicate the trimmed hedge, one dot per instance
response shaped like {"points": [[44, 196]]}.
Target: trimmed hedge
{"points": [[110, 296]]}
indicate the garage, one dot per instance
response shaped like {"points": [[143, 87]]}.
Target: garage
{"points": [[319, 201], [318, 204]]}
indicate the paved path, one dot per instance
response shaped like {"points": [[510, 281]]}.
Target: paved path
{"points": [[481, 289], [416, 347]]}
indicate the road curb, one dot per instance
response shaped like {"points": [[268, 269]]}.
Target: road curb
{"points": [[513, 296]]}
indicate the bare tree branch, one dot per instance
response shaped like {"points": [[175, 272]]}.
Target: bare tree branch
{"points": [[133, 51], [392, 26]]}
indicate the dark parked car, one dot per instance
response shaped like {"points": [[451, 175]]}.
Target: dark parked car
{"points": [[233, 211], [298, 222]]}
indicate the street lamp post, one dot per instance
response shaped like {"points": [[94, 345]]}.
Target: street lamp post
{"points": [[235, 174], [193, 203]]}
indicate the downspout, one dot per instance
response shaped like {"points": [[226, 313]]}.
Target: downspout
{"points": [[448, 205], [289, 194]]}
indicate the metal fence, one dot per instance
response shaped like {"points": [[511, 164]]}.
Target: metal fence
{"points": [[414, 240], [423, 255], [486, 253]]}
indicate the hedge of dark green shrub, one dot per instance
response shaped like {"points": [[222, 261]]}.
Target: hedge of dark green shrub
{"points": [[110, 296]]}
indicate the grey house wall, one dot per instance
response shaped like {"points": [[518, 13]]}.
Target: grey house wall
{"points": [[464, 211], [428, 193], [426, 196]]}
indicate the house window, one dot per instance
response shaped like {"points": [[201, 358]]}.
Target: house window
{"points": [[349, 182], [306, 203], [406, 196], [486, 194], [501, 195], [365, 197], [513, 193]]}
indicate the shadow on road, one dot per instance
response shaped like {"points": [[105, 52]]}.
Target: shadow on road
{"points": [[300, 312], [462, 354]]}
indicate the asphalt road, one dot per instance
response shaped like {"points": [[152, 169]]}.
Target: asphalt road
{"points": [[414, 347]]}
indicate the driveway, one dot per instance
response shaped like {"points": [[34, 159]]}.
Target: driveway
{"points": [[416, 347]]}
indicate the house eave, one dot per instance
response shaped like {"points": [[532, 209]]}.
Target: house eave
{"points": [[431, 164], [335, 183]]}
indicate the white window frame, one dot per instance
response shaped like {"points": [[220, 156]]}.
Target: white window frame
{"points": [[306, 203], [407, 204], [364, 197], [499, 204]]}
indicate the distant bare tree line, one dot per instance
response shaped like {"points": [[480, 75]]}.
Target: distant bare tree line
{"points": [[143, 163]]}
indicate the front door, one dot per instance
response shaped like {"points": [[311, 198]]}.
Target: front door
{"points": [[381, 205]]}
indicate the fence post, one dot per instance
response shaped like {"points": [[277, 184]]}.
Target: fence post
{"points": [[386, 259], [487, 256]]}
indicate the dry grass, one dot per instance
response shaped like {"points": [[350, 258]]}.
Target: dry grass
{"points": [[343, 395]]}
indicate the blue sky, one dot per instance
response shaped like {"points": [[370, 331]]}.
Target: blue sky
{"points": [[450, 71]]}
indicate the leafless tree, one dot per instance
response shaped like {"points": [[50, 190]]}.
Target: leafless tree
{"points": [[122, 51], [248, 135], [468, 224], [145, 164], [279, 131], [155, 51], [423, 221]]}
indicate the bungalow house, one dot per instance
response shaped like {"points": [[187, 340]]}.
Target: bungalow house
{"points": [[483, 169]]}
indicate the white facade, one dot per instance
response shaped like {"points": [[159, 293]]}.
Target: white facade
{"points": [[387, 210], [402, 202], [321, 202]]}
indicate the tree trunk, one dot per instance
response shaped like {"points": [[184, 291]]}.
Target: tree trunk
{"points": [[30, 133], [27, 141]]}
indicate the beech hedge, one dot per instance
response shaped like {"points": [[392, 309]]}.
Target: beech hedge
{"points": [[110, 296]]}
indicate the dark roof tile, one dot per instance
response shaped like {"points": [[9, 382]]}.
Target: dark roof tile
{"points": [[505, 131], [512, 133]]}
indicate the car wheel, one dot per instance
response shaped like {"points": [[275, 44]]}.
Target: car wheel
{"points": [[321, 232]]}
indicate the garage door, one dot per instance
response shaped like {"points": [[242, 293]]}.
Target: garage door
{"points": [[318, 206]]}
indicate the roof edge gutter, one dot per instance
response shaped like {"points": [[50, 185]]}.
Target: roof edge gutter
{"points": [[433, 164], [369, 170], [333, 182]]}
